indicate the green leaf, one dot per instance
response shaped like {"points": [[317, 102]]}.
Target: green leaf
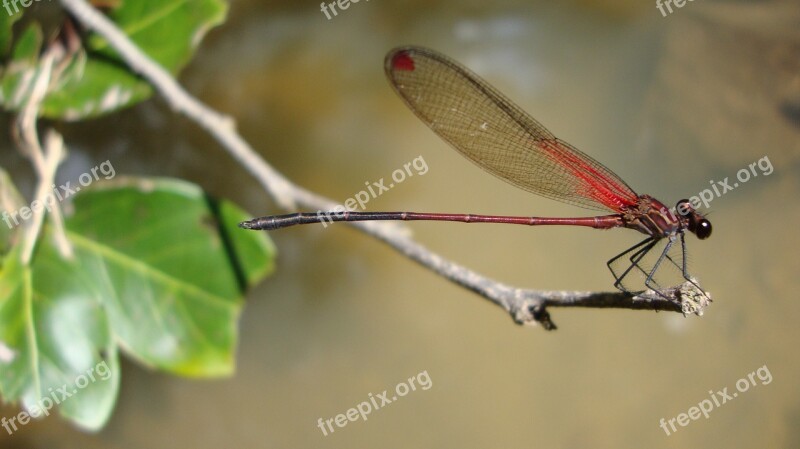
{"points": [[97, 82], [56, 333], [175, 268], [158, 272], [19, 72]]}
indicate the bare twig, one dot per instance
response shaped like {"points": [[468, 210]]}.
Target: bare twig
{"points": [[45, 161], [525, 306]]}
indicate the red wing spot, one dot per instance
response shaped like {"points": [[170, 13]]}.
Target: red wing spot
{"points": [[403, 61]]}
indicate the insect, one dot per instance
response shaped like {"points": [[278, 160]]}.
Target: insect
{"points": [[488, 129]]}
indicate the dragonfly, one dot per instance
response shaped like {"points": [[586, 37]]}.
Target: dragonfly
{"points": [[487, 128]]}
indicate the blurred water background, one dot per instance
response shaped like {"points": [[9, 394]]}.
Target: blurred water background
{"points": [[670, 103]]}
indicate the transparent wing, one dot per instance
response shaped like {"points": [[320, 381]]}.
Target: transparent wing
{"points": [[494, 133]]}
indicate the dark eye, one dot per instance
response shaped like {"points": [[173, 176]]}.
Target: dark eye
{"points": [[702, 229]]}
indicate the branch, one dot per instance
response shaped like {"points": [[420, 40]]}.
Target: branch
{"points": [[525, 306], [45, 161]]}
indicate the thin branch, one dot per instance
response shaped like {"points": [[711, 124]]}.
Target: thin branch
{"points": [[525, 306], [45, 161]]}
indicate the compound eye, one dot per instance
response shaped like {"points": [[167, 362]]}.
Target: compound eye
{"points": [[703, 229]]}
